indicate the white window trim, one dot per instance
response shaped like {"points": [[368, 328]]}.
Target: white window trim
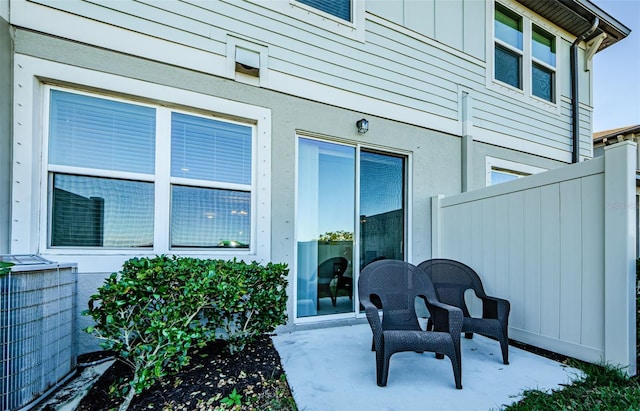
{"points": [[300, 11], [526, 93], [493, 163], [29, 205]]}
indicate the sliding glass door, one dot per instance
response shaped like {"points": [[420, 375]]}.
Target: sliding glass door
{"points": [[351, 211]]}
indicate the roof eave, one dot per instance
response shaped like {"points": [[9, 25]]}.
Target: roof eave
{"points": [[577, 16]]}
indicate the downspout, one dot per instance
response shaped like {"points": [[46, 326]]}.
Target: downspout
{"points": [[575, 104]]}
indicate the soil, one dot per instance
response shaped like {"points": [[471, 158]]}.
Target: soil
{"points": [[212, 375]]}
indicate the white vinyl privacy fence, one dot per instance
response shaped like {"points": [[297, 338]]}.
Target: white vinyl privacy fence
{"points": [[560, 245]]}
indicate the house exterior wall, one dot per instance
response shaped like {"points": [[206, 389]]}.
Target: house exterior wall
{"points": [[435, 155], [6, 81], [314, 81], [396, 65]]}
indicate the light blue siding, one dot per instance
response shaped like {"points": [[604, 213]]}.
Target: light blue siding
{"points": [[415, 54]]}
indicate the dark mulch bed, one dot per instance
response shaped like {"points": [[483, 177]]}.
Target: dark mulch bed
{"points": [[212, 375]]}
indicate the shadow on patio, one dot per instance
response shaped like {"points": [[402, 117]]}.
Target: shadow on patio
{"points": [[334, 369]]}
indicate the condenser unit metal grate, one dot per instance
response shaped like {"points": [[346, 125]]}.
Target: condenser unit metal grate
{"points": [[38, 327]]}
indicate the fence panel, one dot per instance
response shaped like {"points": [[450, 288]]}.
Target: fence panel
{"points": [[557, 245]]}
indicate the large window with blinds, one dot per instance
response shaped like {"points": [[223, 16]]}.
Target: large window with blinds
{"points": [[124, 174]]}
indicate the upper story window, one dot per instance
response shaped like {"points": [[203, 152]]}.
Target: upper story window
{"points": [[543, 66], [337, 8], [344, 18], [508, 52], [123, 174], [524, 54]]}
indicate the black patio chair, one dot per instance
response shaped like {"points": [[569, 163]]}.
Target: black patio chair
{"points": [[395, 285], [451, 279], [328, 271]]}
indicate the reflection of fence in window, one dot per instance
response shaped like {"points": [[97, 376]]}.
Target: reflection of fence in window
{"points": [[381, 236], [101, 212], [203, 217]]}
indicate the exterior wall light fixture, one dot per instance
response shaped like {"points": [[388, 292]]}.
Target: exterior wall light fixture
{"points": [[363, 125]]}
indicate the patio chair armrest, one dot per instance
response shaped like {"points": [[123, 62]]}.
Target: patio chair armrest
{"points": [[446, 317], [372, 317], [494, 307]]}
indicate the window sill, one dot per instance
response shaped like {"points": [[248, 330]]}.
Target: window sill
{"points": [[513, 92]]}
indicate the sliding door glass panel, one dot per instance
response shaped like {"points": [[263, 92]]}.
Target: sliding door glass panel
{"points": [[382, 205], [325, 225]]}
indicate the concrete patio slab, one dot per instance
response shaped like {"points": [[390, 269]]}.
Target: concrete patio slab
{"points": [[333, 369]]}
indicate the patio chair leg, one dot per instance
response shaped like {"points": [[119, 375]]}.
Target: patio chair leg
{"points": [[439, 356], [382, 368], [504, 346], [468, 336], [457, 372]]}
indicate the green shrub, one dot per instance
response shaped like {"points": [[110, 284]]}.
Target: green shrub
{"points": [[5, 267], [155, 309]]}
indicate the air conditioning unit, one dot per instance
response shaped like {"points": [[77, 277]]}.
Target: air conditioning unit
{"points": [[38, 329]]}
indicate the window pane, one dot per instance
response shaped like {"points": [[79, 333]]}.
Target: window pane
{"points": [[507, 67], [338, 8], [381, 207], [498, 177], [202, 217], [103, 134], [212, 150], [544, 46], [508, 27], [101, 212], [542, 82]]}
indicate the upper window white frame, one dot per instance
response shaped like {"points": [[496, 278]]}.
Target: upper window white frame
{"points": [[529, 20], [510, 167], [29, 206], [353, 29]]}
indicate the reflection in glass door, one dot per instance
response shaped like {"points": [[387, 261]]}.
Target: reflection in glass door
{"points": [[327, 265], [381, 207], [326, 203]]}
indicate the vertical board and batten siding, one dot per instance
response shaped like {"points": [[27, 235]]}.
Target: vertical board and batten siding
{"points": [[459, 24], [536, 251], [541, 242], [415, 55]]}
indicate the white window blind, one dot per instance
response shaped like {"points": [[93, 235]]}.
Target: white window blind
{"points": [[338, 8], [97, 133], [211, 150]]}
